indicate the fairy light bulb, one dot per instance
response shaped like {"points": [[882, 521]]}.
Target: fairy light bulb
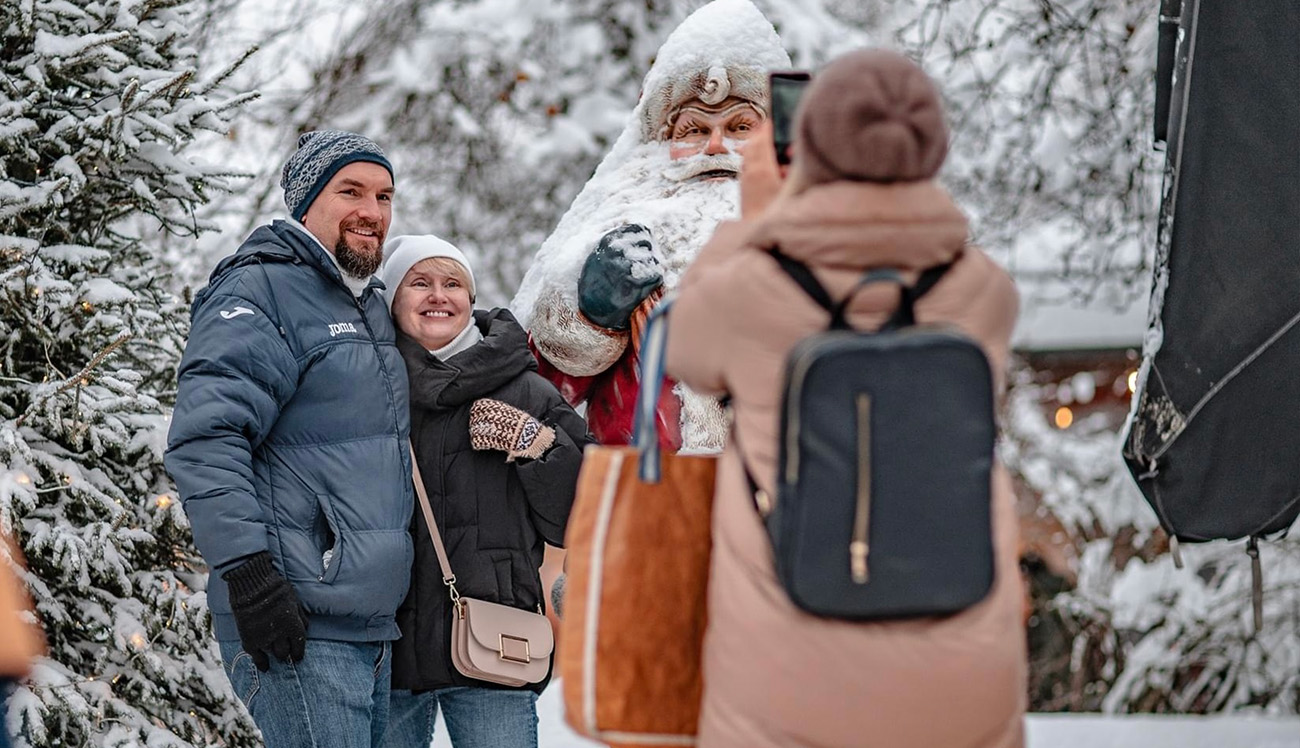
{"points": [[1064, 417]]}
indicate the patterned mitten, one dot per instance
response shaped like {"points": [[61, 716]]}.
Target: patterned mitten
{"points": [[501, 426]]}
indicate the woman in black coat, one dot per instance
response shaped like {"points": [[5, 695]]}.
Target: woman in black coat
{"points": [[499, 451]]}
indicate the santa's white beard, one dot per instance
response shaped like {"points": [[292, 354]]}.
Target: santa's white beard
{"points": [[681, 214]]}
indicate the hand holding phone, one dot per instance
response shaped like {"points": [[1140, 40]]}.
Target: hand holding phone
{"points": [[785, 88]]}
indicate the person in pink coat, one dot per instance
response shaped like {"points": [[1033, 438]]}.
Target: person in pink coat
{"points": [[860, 193]]}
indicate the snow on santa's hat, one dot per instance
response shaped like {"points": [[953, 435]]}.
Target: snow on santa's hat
{"points": [[725, 48]]}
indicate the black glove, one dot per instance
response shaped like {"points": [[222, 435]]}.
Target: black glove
{"points": [[608, 289], [267, 613]]}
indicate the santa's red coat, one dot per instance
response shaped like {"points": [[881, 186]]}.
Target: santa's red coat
{"points": [[611, 400]]}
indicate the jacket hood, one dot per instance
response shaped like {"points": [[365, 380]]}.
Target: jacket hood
{"points": [[909, 226], [477, 371]]}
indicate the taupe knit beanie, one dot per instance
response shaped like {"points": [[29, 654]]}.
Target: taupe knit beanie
{"points": [[870, 116]]}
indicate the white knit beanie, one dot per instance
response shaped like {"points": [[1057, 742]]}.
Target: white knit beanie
{"points": [[401, 253]]}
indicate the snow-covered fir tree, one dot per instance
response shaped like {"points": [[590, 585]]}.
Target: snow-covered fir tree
{"points": [[98, 99]]}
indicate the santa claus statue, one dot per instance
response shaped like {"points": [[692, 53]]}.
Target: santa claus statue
{"points": [[650, 206]]}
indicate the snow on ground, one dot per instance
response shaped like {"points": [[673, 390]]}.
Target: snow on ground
{"points": [[1044, 730]]}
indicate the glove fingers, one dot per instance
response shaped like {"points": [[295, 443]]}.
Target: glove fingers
{"points": [[297, 648], [260, 660], [280, 648]]}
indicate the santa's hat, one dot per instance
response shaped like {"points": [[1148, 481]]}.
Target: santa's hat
{"points": [[725, 48]]}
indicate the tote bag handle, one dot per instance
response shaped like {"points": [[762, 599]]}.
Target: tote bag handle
{"points": [[645, 429]]}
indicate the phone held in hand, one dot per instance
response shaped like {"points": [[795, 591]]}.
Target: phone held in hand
{"points": [[785, 89]]}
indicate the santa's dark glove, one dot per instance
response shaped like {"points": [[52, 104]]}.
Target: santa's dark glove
{"points": [[267, 613], [618, 276]]}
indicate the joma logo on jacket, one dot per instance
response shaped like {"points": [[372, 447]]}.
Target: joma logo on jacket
{"points": [[341, 327]]}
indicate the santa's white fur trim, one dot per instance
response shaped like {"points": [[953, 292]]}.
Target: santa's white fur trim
{"points": [[572, 344]]}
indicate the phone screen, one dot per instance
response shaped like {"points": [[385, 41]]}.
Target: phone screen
{"points": [[786, 88]]}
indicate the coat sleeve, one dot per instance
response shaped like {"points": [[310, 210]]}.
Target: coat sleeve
{"points": [[236, 374], [551, 480], [697, 326]]}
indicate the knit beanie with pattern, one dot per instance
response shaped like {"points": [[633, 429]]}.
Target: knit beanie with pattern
{"points": [[320, 155], [870, 116]]}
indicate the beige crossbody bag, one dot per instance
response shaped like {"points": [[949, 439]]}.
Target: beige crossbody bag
{"points": [[489, 641]]}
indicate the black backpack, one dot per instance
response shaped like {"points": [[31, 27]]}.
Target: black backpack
{"points": [[882, 506]]}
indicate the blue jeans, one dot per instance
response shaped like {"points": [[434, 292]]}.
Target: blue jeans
{"points": [[475, 717], [336, 697]]}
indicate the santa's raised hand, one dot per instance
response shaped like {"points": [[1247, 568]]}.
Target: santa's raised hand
{"points": [[620, 274]]}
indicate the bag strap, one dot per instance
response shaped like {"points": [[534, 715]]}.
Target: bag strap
{"points": [[645, 428], [448, 578], [903, 316]]}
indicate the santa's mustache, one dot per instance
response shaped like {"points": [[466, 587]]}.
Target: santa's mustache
{"points": [[695, 167]]}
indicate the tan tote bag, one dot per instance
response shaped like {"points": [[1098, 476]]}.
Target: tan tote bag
{"points": [[489, 641], [638, 563]]}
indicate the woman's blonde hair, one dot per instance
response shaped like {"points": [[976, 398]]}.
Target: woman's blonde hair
{"points": [[448, 267]]}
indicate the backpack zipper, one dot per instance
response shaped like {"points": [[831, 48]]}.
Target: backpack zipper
{"points": [[793, 395], [859, 545]]}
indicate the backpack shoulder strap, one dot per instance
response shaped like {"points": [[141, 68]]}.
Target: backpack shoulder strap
{"points": [[800, 273], [903, 316]]}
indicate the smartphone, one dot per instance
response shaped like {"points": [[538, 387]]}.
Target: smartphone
{"points": [[785, 89]]}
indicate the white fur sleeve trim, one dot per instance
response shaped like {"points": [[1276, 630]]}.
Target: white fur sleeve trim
{"points": [[574, 345]]}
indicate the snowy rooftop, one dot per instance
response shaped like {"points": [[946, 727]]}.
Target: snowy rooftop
{"points": [[1063, 326]]}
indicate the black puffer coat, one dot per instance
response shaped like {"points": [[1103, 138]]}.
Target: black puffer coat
{"points": [[494, 515]]}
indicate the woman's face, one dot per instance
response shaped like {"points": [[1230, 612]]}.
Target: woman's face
{"points": [[432, 303]]}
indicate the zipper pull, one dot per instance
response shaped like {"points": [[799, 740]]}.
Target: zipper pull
{"points": [[858, 561]]}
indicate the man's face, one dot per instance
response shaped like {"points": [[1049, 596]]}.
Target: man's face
{"points": [[710, 130], [351, 216]]}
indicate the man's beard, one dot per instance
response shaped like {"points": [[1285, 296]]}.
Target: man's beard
{"points": [[362, 262]]}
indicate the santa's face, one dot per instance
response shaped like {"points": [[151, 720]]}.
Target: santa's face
{"points": [[704, 130]]}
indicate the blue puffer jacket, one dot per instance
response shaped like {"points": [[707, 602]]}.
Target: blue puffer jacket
{"points": [[290, 436]]}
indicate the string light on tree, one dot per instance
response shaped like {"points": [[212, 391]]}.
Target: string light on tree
{"points": [[1064, 417]]}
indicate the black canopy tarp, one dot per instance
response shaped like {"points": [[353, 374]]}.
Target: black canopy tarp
{"points": [[1214, 442]]}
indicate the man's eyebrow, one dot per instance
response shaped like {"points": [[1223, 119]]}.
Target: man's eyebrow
{"points": [[349, 182]]}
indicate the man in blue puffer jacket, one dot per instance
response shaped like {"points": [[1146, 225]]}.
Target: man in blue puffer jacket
{"points": [[289, 448]]}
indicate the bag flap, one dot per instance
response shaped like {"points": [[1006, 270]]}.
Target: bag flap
{"points": [[488, 621]]}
